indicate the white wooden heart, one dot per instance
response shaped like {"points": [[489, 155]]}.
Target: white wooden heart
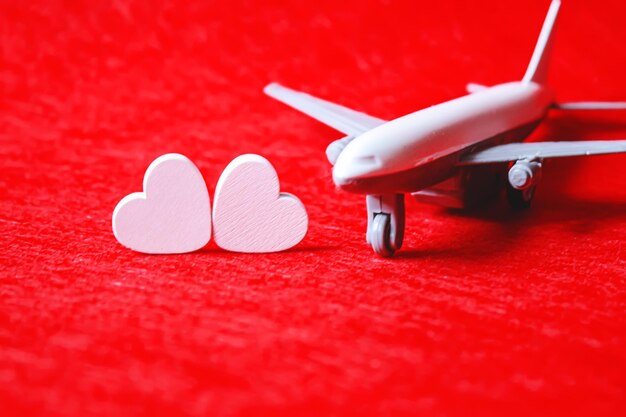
{"points": [[171, 215], [250, 214]]}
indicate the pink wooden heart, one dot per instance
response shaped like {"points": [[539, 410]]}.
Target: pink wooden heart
{"points": [[171, 215], [249, 212]]}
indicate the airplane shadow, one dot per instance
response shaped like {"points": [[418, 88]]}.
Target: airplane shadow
{"points": [[505, 229]]}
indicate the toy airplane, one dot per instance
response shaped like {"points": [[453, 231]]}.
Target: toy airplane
{"points": [[455, 153]]}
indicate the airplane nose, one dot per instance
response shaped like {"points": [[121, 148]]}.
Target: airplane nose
{"points": [[349, 169]]}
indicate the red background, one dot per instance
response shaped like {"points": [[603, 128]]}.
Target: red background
{"points": [[485, 313]]}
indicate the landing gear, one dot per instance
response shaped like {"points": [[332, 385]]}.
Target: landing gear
{"points": [[385, 223], [381, 231], [520, 199]]}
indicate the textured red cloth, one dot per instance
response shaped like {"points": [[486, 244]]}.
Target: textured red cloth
{"points": [[483, 313]]}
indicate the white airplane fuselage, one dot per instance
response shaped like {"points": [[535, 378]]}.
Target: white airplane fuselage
{"points": [[423, 148]]}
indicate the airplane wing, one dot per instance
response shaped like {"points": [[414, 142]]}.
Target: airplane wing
{"points": [[541, 150], [343, 119]]}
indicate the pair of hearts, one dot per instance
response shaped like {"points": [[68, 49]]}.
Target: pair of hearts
{"points": [[173, 213]]}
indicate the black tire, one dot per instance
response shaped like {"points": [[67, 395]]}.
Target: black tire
{"points": [[520, 199], [381, 236]]}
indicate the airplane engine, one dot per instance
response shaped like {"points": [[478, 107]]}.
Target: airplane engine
{"points": [[335, 148], [524, 174]]}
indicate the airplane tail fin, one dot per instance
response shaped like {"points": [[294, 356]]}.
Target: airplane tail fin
{"points": [[538, 68]]}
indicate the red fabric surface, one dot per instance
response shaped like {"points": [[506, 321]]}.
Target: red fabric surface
{"points": [[483, 313]]}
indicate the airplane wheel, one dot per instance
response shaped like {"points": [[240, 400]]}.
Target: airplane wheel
{"points": [[381, 236], [520, 199]]}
